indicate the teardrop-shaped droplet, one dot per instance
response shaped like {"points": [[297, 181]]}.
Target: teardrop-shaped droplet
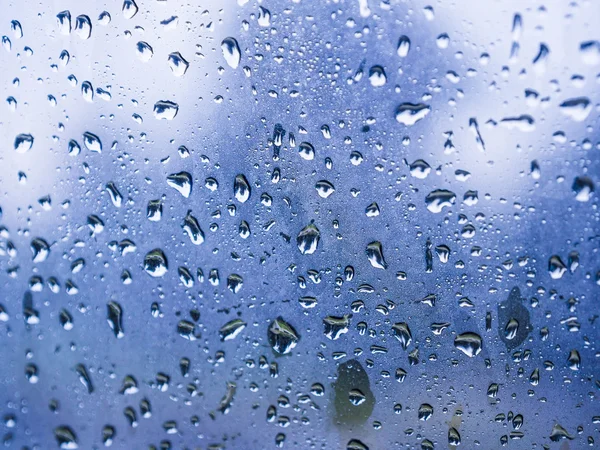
{"points": [[40, 250], [403, 46], [92, 142], [241, 188], [308, 239], [192, 229], [130, 9], [63, 19], [83, 26], [231, 52]]}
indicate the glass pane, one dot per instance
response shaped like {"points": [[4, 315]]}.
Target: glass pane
{"points": [[302, 224]]}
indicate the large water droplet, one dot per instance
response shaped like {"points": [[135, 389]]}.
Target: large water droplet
{"points": [[155, 263], [83, 27], [308, 239], [282, 336], [231, 52], [469, 343], [165, 110], [409, 113], [129, 9], [241, 188], [23, 143], [181, 182], [177, 64], [438, 199]]}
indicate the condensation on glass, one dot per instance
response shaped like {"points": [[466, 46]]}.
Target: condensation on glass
{"points": [[338, 224]]}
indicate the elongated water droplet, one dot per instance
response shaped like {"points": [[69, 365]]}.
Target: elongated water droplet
{"points": [[177, 64], [308, 239], [65, 437], [403, 46], [231, 52], [83, 27], [231, 329], [92, 142], [241, 188], [192, 229], [63, 19], [165, 110], [114, 318], [409, 113], [129, 9], [181, 182], [40, 250], [375, 255]]}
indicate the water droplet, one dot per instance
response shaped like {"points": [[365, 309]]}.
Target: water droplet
{"points": [[16, 28], [264, 16], [409, 113], [231, 329], [165, 109], [92, 142], [420, 169], [144, 51], [402, 333], [324, 188], [556, 268], [181, 182], [308, 239], [577, 108], [356, 397], [442, 41], [590, 52], [40, 250], [306, 151], [335, 326], [192, 229], [438, 199], [282, 336], [65, 437], [63, 19], [177, 64], [377, 76], [83, 27], [231, 52], [241, 188], [375, 255], [129, 9], [403, 46], [114, 318], [23, 143], [104, 18], [469, 343], [155, 263]]}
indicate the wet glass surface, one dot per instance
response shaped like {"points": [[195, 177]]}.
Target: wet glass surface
{"points": [[333, 225]]}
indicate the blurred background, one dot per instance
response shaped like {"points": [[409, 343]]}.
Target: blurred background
{"points": [[410, 259]]}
